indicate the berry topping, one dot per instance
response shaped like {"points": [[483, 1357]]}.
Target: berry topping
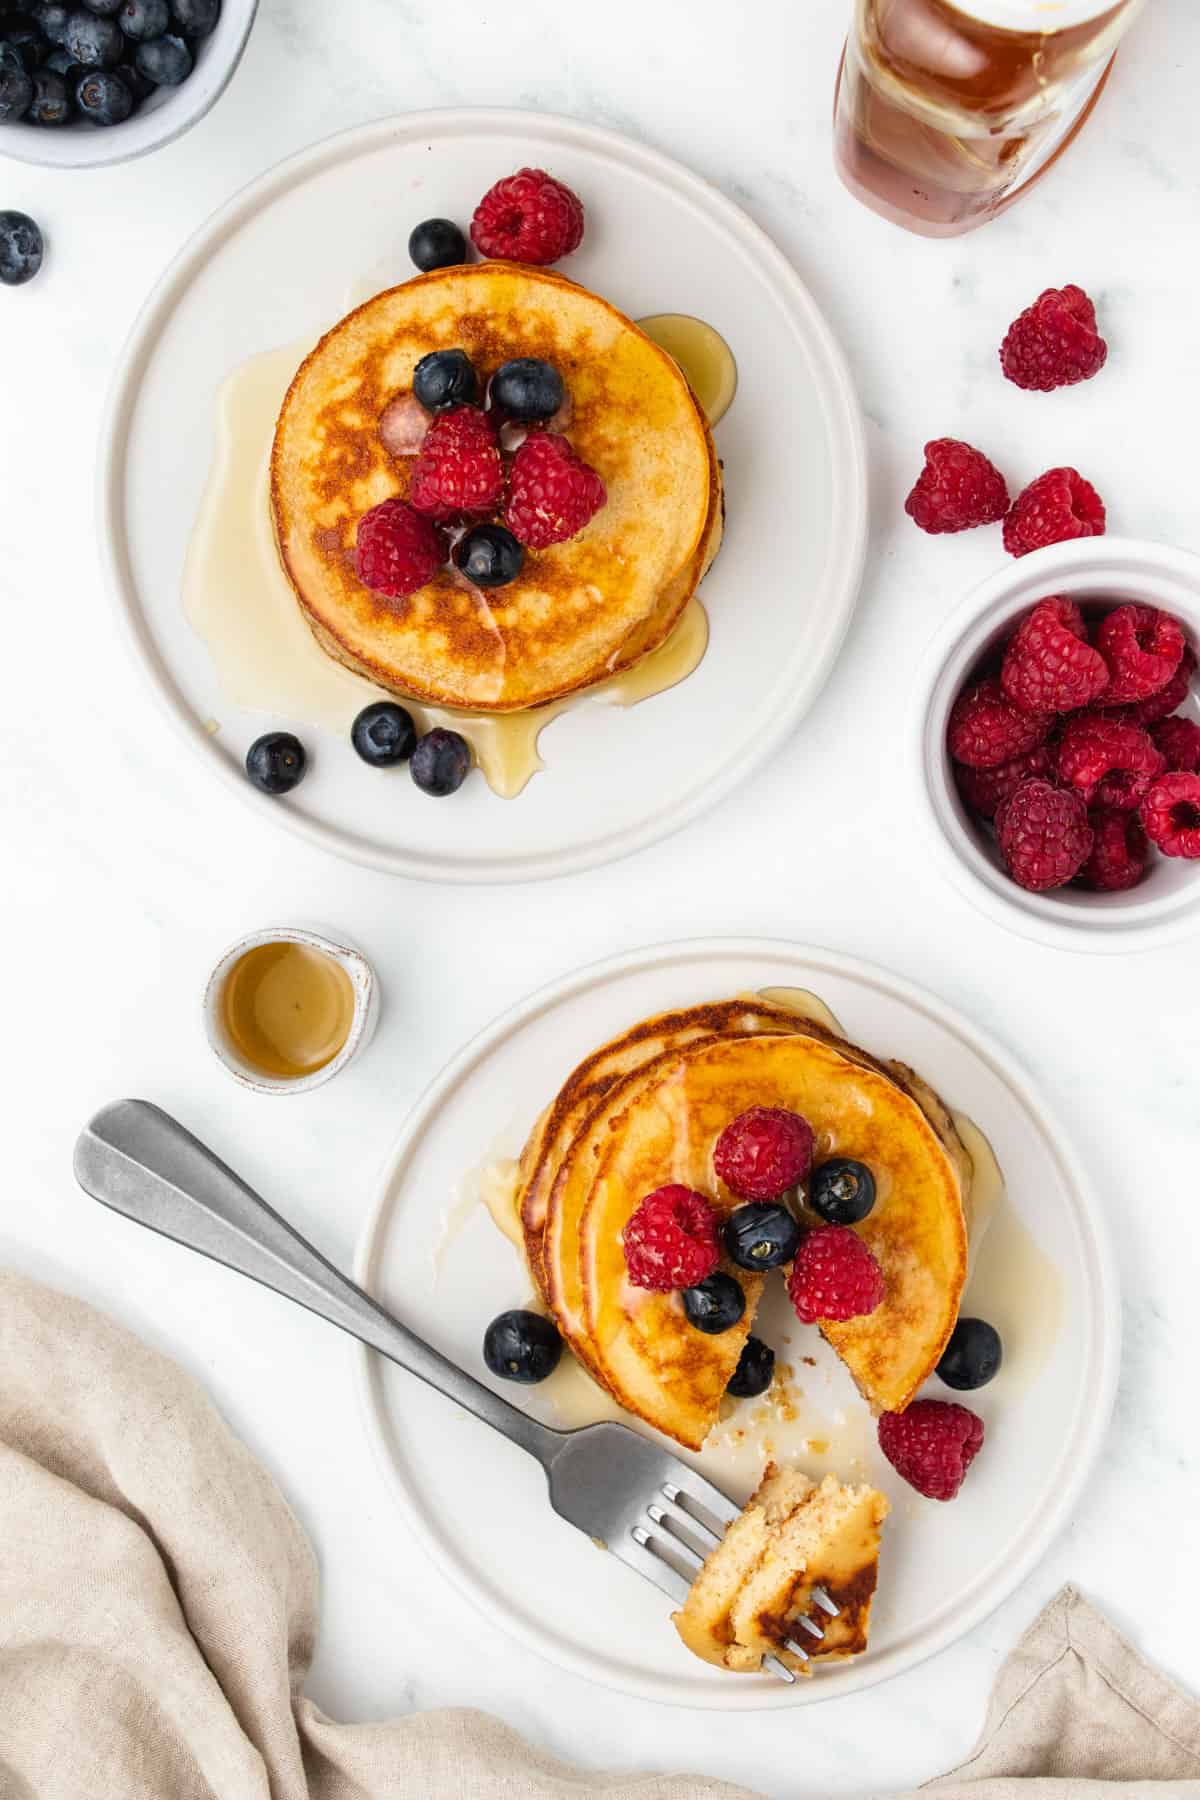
{"points": [[527, 389], [52, 19], [51, 104], [396, 550], [715, 1304], [985, 789], [1162, 703], [195, 18], [1044, 835], [1054, 343], [973, 1356], [763, 1152], [23, 36], [1095, 748], [671, 1240], [1179, 742], [932, 1445], [1171, 814], [529, 218], [1119, 851], [94, 42], [437, 244], [755, 1371], [985, 730], [842, 1191], [443, 379], [458, 474], [1058, 506], [489, 556], [384, 734], [761, 1235], [16, 84], [103, 97], [21, 248], [834, 1276], [276, 762], [552, 492], [957, 488], [441, 762], [1142, 647], [1049, 666], [166, 61], [522, 1346]]}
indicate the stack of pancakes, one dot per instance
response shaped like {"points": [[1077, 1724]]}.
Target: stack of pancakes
{"points": [[792, 1538], [578, 612], [646, 1110]]}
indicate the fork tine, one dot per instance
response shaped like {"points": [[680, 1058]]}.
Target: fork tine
{"points": [[674, 1582], [687, 1504], [825, 1603], [796, 1649], [780, 1670], [812, 1629], [690, 1552]]}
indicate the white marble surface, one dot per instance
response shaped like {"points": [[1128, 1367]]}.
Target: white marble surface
{"points": [[126, 868]]}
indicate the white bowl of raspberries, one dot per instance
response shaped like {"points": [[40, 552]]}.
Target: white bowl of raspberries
{"points": [[1058, 744]]}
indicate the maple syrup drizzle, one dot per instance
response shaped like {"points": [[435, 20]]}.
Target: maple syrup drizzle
{"points": [[702, 354]]}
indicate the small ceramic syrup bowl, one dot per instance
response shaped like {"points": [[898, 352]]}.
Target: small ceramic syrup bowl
{"points": [[363, 1020]]}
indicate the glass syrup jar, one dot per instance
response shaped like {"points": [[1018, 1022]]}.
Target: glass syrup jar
{"points": [[948, 110]]}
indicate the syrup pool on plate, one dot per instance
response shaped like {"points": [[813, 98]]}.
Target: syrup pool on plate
{"points": [[239, 601], [703, 355]]}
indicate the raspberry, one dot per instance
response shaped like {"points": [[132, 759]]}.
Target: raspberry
{"points": [[1054, 343], [1119, 851], [1179, 741], [1097, 752], [985, 789], [834, 1276], [1164, 702], [552, 493], [932, 1445], [1171, 814], [528, 218], [396, 551], [1049, 666], [1044, 835], [1143, 649], [985, 731], [458, 474], [1058, 506], [764, 1152], [671, 1240], [957, 488]]}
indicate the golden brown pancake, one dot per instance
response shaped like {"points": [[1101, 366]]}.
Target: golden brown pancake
{"points": [[579, 612]]}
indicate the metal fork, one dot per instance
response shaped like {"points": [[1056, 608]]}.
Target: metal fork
{"points": [[650, 1509]]}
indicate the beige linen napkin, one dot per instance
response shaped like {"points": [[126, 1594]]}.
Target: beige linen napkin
{"points": [[158, 1617]]}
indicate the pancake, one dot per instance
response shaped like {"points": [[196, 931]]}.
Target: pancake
{"points": [[579, 612], [792, 1538]]}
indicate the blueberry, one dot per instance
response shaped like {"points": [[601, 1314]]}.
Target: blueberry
{"points": [[489, 556], [755, 1371], [972, 1356], [106, 9], [16, 84], [142, 19], [384, 734], [96, 43], [52, 19], [443, 379], [23, 36], [527, 389], [841, 1190], [441, 762], [761, 1236], [437, 244], [62, 62], [195, 18], [276, 763], [103, 97], [166, 61], [52, 99], [522, 1346], [715, 1304], [136, 82], [20, 248]]}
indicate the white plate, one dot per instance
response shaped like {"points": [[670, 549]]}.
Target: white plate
{"points": [[273, 267], [478, 1505]]}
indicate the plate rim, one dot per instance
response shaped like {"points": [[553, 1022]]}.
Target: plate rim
{"points": [[1101, 1372], [841, 581]]}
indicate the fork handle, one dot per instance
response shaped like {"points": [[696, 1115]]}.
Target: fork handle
{"points": [[141, 1162]]}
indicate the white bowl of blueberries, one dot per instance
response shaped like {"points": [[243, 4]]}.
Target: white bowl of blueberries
{"points": [[85, 82]]}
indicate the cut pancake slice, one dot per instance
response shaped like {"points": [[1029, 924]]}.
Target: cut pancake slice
{"points": [[578, 612], [792, 1538]]}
